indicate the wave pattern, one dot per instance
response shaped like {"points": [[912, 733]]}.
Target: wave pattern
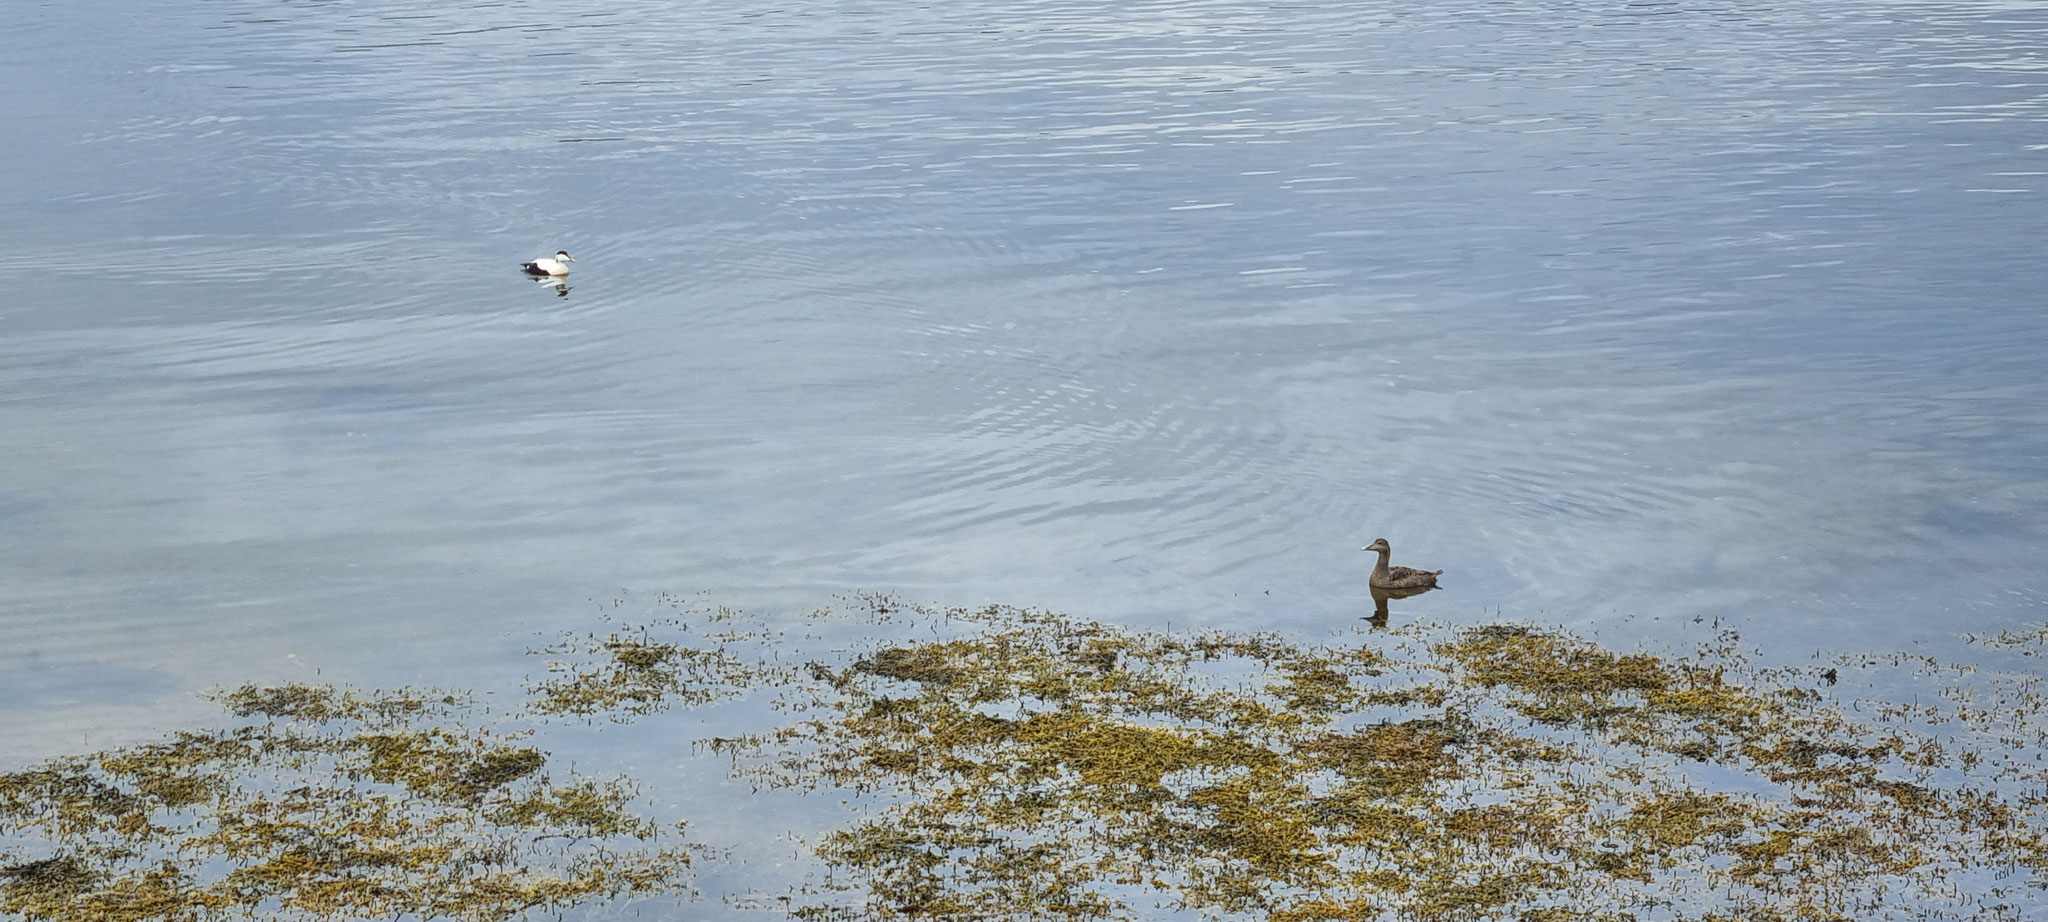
{"points": [[1155, 308]]}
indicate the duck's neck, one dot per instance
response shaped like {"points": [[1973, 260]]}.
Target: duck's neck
{"points": [[1381, 568]]}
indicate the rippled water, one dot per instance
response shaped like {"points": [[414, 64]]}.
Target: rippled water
{"points": [[1617, 312]]}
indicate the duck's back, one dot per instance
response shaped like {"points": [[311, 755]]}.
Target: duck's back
{"points": [[1406, 578]]}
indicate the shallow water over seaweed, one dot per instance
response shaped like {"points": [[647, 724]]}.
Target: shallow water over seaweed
{"points": [[1155, 312]]}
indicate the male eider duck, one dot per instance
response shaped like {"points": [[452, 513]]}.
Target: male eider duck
{"points": [[1386, 577], [557, 264]]}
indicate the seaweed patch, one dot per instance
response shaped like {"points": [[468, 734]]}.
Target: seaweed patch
{"points": [[1031, 766], [1004, 763], [339, 804]]}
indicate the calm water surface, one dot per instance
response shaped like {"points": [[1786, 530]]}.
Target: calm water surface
{"points": [[1625, 314]]}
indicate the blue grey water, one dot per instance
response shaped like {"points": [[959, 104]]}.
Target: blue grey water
{"points": [[1624, 314]]}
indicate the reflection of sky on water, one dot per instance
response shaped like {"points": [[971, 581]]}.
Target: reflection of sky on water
{"points": [[1152, 312]]}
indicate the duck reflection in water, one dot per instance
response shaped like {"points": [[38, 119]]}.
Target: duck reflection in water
{"points": [[560, 285], [1379, 602]]}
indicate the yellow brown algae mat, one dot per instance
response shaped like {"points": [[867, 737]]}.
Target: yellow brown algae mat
{"points": [[1011, 764], [324, 804], [627, 674], [1035, 766]]}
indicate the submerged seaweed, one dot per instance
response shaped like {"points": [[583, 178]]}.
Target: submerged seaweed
{"points": [[626, 673], [1003, 763], [1040, 767], [339, 805]]}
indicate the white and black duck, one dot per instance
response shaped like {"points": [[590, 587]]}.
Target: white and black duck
{"points": [[556, 265]]}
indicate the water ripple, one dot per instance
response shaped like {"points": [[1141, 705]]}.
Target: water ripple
{"points": [[1146, 305]]}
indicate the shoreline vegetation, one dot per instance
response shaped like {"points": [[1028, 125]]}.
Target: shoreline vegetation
{"points": [[1008, 763]]}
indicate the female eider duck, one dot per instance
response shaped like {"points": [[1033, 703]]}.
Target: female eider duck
{"points": [[1386, 577], [557, 264]]}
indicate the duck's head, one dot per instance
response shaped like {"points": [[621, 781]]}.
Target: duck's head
{"points": [[564, 257], [1378, 544]]}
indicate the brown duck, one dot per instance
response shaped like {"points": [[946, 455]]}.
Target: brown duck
{"points": [[1386, 577]]}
